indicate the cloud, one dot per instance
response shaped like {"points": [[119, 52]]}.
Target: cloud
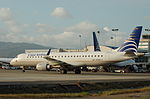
{"points": [[70, 37], [48, 35], [42, 28], [61, 12], [5, 14], [7, 18], [83, 27], [115, 38], [64, 39], [61, 40]]}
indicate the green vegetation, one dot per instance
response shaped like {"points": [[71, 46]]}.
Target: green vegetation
{"points": [[45, 95], [124, 91], [81, 94]]}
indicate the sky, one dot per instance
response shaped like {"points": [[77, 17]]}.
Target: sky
{"points": [[58, 23]]}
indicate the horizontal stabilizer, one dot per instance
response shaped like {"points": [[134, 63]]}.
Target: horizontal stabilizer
{"points": [[130, 54], [140, 54]]}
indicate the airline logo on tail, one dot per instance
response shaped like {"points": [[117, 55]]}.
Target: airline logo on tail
{"points": [[96, 44], [133, 42]]}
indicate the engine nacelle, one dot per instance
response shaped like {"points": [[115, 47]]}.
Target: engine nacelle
{"points": [[43, 66]]}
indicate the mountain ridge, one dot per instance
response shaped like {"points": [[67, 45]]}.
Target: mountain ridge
{"points": [[11, 49]]}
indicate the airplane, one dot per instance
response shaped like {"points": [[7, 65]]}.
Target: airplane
{"points": [[120, 64], [76, 60]]}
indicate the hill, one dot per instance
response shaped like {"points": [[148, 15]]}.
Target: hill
{"points": [[9, 49]]}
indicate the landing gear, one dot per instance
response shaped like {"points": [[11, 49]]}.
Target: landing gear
{"points": [[77, 71], [63, 71], [23, 69]]}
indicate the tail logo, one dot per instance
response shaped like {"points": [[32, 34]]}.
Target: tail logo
{"points": [[133, 42]]}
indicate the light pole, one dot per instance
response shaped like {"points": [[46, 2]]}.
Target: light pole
{"points": [[80, 40], [98, 32], [115, 30]]}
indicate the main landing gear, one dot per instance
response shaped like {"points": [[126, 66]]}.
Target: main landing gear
{"points": [[65, 70], [23, 68], [77, 71]]}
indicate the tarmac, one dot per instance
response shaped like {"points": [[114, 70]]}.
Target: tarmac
{"points": [[13, 76], [16, 81]]}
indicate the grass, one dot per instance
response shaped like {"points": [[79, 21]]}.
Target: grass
{"points": [[81, 94], [124, 91], [45, 95]]}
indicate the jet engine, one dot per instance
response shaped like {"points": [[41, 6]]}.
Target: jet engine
{"points": [[43, 66]]}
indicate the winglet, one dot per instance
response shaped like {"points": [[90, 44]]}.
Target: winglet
{"points": [[48, 52], [96, 44]]}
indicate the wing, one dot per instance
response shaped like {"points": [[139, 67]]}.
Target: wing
{"points": [[5, 60], [56, 62]]}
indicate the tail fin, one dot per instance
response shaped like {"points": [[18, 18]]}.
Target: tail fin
{"points": [[96, 44], [48, 52], [132, 43]]}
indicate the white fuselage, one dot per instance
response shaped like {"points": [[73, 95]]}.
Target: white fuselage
{"points": [[72, 58]]}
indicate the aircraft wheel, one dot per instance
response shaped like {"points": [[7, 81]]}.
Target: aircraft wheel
{"points": [[23, 69], [77, 71], [63, 71]]}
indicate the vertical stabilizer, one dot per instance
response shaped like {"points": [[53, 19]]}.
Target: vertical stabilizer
{"points": [[96, 44], [48, 52], [132, 43]]}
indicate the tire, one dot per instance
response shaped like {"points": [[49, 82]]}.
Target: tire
{"points": [[77, 71], [63, 71]]}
